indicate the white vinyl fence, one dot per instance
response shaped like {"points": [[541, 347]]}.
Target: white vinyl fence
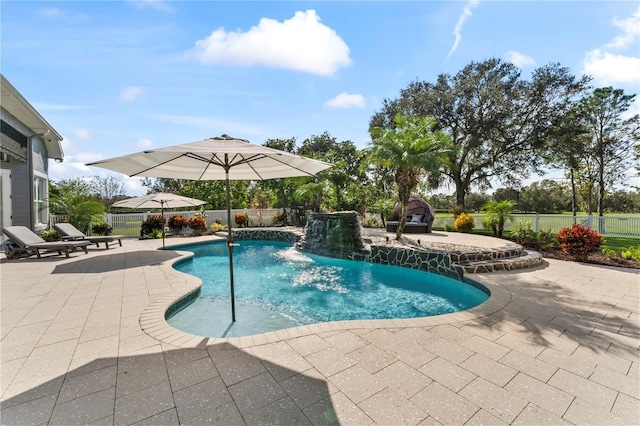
{"points": [[614, 226]]}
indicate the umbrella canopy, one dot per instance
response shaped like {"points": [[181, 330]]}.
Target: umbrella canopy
{"points": [[156, 200], [163, 200], [218, 158], [416, 205]]}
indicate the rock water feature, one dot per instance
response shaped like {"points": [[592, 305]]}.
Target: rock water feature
{"points": [[335, 234]]}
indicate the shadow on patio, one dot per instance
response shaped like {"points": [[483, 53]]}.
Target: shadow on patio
{"points": [[562, 318], [219, 384]]}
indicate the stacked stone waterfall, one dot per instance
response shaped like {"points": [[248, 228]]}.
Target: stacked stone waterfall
{"points": [[335, 234]]}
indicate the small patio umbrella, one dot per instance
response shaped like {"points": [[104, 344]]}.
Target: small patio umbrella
{"points": [[159, 199], [219, 158]]}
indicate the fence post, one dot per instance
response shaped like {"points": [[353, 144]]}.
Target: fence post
{"points": [[590, 222], [537, 222]]}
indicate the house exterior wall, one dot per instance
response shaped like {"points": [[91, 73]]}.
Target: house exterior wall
{"points": [[20, 205]]}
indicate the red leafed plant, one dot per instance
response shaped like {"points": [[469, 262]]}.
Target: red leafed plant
{"points": [[240, 219], [177, 222], [579, 241], [197, 223]]}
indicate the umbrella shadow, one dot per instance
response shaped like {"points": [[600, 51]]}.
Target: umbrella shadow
{"points": [[112, 262], [218, 384]]}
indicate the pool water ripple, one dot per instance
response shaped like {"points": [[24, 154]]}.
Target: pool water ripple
{"points": [[277, 287]]}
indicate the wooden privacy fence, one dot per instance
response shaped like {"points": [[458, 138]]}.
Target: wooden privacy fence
{"points": [[615, 226]]}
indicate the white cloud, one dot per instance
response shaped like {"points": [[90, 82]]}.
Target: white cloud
{"points": [[346, 100], [300, 43], [609, 69], [630, 31], [457, 31], [131, 93], [620, 66], [518, 59], [82, 134], [144, 143]]}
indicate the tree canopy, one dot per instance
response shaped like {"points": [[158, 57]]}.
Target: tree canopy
{"points": [[495, 118]]}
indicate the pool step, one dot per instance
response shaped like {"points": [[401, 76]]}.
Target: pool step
{"points": [[525, 259], [508, 257]]}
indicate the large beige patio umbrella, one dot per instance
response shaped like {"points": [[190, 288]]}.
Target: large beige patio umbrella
{"points": [[163, 200], [218, 158]]}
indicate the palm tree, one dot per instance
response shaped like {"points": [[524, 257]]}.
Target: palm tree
{"points": [[497, 214], [410, 149]]}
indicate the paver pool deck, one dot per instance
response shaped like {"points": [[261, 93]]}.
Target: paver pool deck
{"points": [[84, 342]]}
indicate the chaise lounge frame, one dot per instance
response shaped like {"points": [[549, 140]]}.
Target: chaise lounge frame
{"points": [[71, 233], [30, 243]]}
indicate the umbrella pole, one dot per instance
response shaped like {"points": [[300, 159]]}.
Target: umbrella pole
{"points": [[230, 243], [162, 213]]}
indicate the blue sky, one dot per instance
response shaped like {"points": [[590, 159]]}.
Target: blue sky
{"points": [[117, 77]]}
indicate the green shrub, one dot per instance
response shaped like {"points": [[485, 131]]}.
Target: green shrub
{"points": [[101, 229], [632, 253], [216, 227], [609, 253], [546, 238], [579, 241], [49, 235], [464, 223], [371, 222], [155, 234], [523, 231], [449, 227], [153, 222]]}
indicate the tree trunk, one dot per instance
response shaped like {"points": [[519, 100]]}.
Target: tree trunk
{"points": [[460, 193], [601, 190], [574, 199], [402, 220], [338, 199]]}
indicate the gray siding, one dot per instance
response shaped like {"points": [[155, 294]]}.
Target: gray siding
{"points": [[20, 196]]}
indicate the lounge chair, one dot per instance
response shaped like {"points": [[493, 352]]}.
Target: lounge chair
{"points": [[71, 233], [29, 243]]}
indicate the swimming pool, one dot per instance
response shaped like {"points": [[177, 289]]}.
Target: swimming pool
{"points": [[277, 286]]}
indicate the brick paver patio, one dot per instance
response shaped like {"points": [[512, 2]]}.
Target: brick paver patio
{"points": [[84, 342]]}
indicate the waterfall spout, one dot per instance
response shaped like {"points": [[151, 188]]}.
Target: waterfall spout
{"points": [[335, 234]]}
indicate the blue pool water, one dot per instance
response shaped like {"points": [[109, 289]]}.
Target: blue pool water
{"points": [[277, 287]]}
